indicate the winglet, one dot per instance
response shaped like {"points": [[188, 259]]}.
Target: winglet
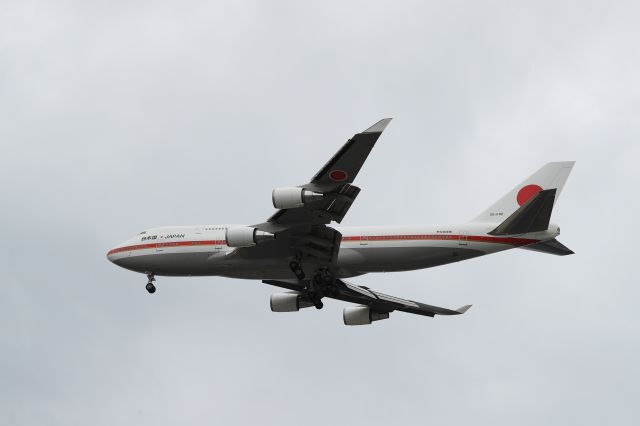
{"points": [[463, 309], [379, 126]]}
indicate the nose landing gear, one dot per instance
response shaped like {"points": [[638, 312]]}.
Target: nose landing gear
{"points": [[150, 287]]}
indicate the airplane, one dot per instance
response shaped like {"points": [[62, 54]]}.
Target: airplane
{"points": [[299, 249]]}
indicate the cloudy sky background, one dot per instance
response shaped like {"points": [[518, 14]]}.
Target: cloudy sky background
{"points": [[120, 116]]}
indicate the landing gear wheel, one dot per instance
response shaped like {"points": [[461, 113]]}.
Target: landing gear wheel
{"points": [[318, 304], [150, 287], [326, 276]]}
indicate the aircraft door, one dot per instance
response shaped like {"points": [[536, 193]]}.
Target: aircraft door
{"points": [[462, 238], [364, 239], [160, 244]]}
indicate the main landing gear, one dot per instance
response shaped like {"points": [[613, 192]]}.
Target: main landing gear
{"points": [[322, 284], [296, 267], [150, 287]]}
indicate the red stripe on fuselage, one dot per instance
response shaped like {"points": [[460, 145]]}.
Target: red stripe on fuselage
{"points": [[502, 240], [443, 237], [354, 238], [167, 244]]}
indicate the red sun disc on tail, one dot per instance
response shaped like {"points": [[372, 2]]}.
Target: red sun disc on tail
{"points": [[527, 192], [338, 175]]}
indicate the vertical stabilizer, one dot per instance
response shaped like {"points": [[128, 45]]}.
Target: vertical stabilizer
{"points": [[550, 176]]}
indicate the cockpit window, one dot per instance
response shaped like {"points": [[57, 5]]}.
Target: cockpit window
{"points": [[142, 233]]}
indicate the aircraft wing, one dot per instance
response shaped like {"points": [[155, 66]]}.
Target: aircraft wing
{"points": [[378, 302], [302, 230], [344, 166], [334, 180]]}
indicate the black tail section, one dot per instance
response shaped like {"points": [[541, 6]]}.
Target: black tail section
{"points": [[532, 216]]}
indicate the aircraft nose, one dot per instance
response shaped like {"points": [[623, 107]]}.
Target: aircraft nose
{"points": [[110, 255], [115, 255], [121, 256]]}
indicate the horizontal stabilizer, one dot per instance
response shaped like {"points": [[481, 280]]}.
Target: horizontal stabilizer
{"points": [[550, 247], [463, 309], [532, 216]]}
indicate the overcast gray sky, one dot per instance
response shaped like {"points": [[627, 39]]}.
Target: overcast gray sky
{"points": [[121, 116]]}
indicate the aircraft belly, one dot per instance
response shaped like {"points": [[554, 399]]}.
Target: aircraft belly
{"points": [[178, 264], [359, 260], [352, 261], [202, 264]]}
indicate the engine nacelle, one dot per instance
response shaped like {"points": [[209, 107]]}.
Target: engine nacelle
{"points": [[293, 197], [246, 236], [288, 302], [362, 315]]}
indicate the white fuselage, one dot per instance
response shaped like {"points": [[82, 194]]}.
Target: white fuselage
{"points": [[202, 250]]}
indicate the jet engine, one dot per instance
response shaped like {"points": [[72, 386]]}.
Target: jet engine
{"points": [[288, 302], [246, 236], [362, 315], [293, 197]]}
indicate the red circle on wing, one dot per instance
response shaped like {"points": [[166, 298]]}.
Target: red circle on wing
{"points": [[338, 175], [527, 192]]}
